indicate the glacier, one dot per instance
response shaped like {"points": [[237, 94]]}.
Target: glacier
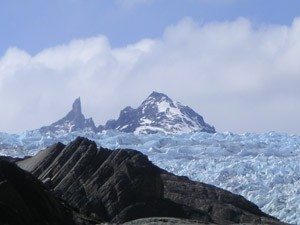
{"points": [[264, 168]]}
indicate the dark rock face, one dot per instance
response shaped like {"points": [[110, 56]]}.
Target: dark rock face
{"points": [[73, 121], [158, 113], [25, 201], [123, 185]]}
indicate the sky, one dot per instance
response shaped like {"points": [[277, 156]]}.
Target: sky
{"points": [[236, 62]]}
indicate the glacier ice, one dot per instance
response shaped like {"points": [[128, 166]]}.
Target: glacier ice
{"points": [[264, 167]]}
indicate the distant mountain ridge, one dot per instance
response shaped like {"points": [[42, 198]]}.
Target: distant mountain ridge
{"points": [[157, 113]]}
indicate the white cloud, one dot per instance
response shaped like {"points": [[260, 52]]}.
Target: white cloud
{"points": [[239, 77]]}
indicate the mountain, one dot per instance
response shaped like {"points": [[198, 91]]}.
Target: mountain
{"points": [[159, 113], [123, 185], [73, 121]]}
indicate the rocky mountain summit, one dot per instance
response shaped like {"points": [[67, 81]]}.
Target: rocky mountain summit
{"points": [[159, 113], [73, 121], [123, 185]]}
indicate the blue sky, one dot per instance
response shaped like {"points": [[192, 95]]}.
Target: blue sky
{"points": [[236, 62], [33, 25]]}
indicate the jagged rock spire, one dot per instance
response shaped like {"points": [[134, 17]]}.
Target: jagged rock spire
{"points": [[73, 121], [76, 107]]}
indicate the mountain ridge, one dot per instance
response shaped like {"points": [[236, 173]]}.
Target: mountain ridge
{"points": [[157, 113]]}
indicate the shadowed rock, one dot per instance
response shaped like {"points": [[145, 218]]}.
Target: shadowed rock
{"points": [[25, 201]]}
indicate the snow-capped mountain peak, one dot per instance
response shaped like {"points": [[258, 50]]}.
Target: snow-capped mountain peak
{"points": [[159, 101], [159, 113]]}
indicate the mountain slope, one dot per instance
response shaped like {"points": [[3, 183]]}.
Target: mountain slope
{"points": [[158, 113], [123, 185]]}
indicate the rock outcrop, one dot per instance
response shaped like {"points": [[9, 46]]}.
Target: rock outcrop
{"points": [[123, 185]]}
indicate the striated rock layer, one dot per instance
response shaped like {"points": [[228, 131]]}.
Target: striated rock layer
{"points": [[123, 185]]}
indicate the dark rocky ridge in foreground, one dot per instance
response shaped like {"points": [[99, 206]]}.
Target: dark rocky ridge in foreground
{"points": [[123, 185], [24, 200]]}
